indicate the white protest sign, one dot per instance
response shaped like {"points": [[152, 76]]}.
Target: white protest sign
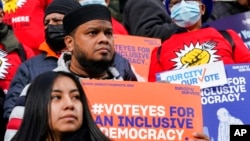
{"points": [[208, 75]]}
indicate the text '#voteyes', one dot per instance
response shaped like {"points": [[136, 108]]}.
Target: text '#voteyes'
{"points": [[144, 122]]}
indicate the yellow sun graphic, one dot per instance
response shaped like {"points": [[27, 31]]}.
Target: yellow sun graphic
{"points": [[12, 5], [186, 49]]}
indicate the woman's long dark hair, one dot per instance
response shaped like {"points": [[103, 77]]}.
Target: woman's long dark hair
{"points": [[35, 123]]}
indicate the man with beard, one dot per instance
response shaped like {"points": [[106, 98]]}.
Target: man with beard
{"points": [[90, 40], [113, 66]]}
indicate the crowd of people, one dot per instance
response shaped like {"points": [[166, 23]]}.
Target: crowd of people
{"points": [[44, 49]]}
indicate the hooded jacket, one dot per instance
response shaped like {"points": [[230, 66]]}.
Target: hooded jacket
{"points": [[10, 59]]}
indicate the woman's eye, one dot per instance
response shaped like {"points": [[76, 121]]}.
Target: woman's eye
{"points": [[76, 97], [55, 97]]}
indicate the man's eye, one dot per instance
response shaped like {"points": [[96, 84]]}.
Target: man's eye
{"points": [[92, 33], [57, 20], [109, 33], [46, 23]]}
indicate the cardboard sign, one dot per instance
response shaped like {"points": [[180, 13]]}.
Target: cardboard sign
{"points": [[138, 51], [145, 111], [228, 104], [208, 75]]}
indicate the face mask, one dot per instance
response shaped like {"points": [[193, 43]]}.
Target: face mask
{"points": [[186, 13], [54, 35], [86, 2]]}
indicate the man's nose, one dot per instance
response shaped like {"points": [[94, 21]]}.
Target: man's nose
{"points": [[103, 38]]}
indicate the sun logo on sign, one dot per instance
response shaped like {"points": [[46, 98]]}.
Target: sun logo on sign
{"points": [[12, 5], [3, 64], [195, 51]]}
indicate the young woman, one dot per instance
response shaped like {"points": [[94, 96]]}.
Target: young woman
{"points": [[57, 110]]}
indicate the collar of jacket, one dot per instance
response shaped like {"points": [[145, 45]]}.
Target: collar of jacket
{"points": [[64, 65], [8, 39], [49, 52]]}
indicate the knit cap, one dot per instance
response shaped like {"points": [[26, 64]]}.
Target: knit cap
{"points": [[84, 14], [62, 6]]}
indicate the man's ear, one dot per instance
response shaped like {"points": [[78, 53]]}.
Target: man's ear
{"points": [[69, 42]]}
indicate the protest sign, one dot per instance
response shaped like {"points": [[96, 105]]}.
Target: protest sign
{"points": [[137, 50], [208, 75], [145, 111], [228, 104]]}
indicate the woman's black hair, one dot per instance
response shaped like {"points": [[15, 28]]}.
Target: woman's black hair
{"points": [[35, 123]]}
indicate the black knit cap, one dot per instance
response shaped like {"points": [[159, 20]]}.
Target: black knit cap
{"points": [[62, 6], [84, 14]]}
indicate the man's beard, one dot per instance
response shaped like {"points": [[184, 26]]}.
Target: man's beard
{"points": [[94, 68]]}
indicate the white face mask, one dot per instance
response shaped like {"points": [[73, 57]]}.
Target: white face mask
{"points": [[86, 2], [186, 13]]}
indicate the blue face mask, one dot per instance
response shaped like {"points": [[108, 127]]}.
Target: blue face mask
{"points": [[186, 13], [86, 2]]}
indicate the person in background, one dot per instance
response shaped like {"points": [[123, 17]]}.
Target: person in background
{"points": [[120, 66], [92, 53], [12, 54], [57, 109], [118, 28], [115, 9], [225, 8], [195, 45], [50, 49], [26, 18], [148, 18]]}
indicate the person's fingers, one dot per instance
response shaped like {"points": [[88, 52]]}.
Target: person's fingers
{"points": [[200, 137]]}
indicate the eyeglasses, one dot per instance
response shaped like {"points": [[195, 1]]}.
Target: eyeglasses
{"points": [[173, 2]]}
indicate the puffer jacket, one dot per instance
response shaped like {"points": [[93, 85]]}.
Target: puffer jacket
{"points": [[24, 75]]}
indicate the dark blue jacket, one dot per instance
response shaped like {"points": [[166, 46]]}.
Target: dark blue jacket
{"points": [[26, 72]]}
